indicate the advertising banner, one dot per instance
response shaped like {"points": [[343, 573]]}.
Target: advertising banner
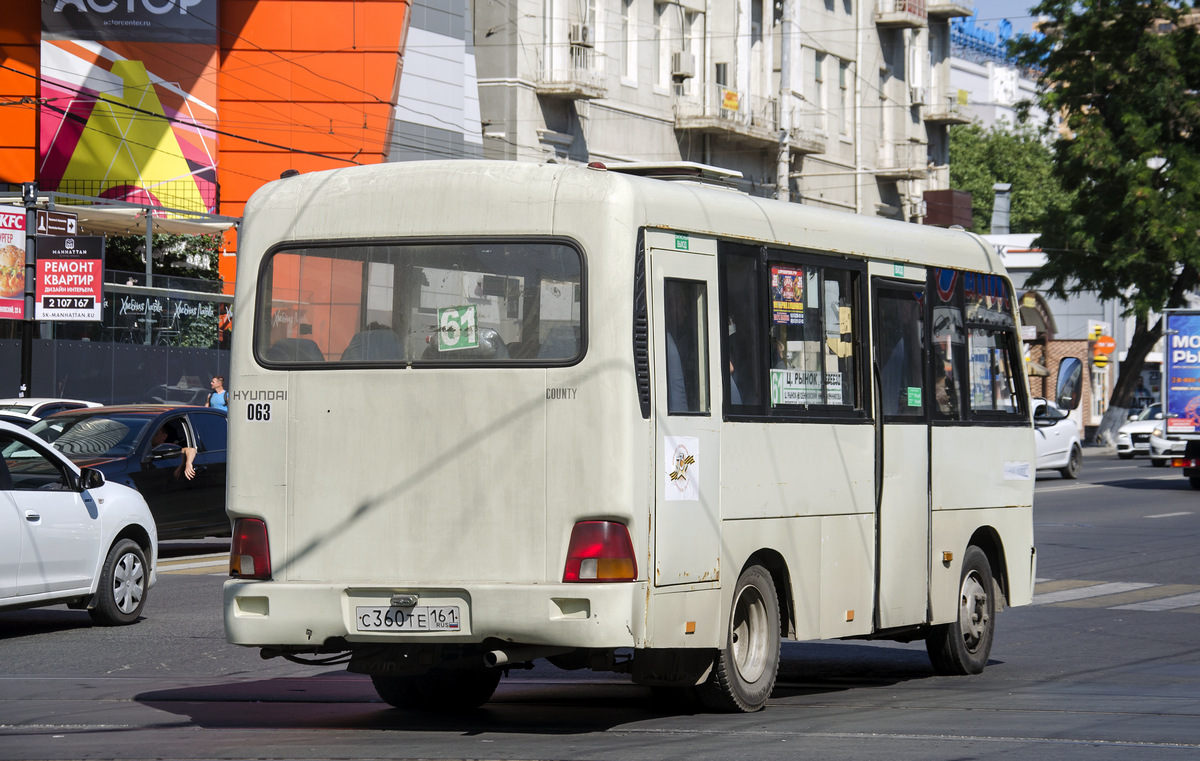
{"points": [[1183, 372], [70, 278], [133, 101], [140, 20], [12, 264]]}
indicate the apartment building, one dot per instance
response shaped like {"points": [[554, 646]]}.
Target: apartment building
{"points": [[850, 99]]}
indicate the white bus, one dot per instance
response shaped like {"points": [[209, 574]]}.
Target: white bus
{"points": [[484, 413]]}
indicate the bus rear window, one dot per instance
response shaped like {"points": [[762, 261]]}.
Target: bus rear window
{"points": [[385, 304]]}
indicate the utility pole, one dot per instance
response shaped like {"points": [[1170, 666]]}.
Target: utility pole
{"points": [[783, 171], [29, 192]]}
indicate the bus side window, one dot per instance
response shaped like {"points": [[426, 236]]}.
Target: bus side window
{"points": [[685, 315], [744, 330]]}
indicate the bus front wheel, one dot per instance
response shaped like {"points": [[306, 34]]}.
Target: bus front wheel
{"points": [[744, 671], [963, 647], [446, 690]]}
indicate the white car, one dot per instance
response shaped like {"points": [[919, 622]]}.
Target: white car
{"points": [[67, 536], [1162, 451], [1058, 440], [40, 407], [1133, 438]]}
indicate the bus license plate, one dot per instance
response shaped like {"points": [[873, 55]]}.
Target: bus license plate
{"points": [[422, 618]]}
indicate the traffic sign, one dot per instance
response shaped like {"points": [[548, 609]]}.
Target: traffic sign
{"points": [[57, 223], [1105, 345], [1100, 360]]}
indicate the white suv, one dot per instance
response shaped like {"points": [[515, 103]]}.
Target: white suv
{"points": [[1058, 441], [67, 536]]}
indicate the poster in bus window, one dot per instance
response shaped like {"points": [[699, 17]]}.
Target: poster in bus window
{"points": [[1183, 373], [787, 296], [12, 264], [804, 387]]}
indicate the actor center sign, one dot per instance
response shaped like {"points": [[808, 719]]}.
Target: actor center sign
{"points": [[70, 278]]}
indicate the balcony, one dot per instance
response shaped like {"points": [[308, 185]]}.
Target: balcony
{"points": [[946, 109], [944, 9], [901, 14], [902, 160], [716, 109], [579, 79], [808, 134]]}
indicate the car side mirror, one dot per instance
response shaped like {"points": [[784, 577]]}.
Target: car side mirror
{"points": [[1132, 417], [1070, 383], [90, 478]]}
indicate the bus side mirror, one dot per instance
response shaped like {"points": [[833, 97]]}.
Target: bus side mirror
{"points": [[1070, 383]]}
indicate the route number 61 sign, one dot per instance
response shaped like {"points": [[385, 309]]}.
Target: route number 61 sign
{"points": [[456, 328]]}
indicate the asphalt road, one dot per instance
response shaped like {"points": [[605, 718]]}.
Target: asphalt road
{"points": [[1104, 665]]}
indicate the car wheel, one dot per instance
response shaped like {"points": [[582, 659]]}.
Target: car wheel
{"points": [[121, 593], [1125, 455], [744, 671], [445, 690], [1074, 464], [1158, 463], [963, 647]]}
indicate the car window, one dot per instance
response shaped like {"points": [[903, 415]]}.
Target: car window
{"points": [[211, 429], [27, 469], [91, 435]]}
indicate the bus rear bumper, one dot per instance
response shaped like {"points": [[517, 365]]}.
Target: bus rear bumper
{"points": [[277, 614]]}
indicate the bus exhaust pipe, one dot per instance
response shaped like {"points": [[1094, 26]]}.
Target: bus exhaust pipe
{"points": [[495, 658]]}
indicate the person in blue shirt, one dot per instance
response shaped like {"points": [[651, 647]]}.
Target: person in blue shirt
{"points": [[219, 398]]}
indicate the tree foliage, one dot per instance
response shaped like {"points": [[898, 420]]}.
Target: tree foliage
{"points": [[1125, 77], [193, 256], [981, 157]]}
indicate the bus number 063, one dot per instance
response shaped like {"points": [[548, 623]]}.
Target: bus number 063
{"points": [[258, 411]]}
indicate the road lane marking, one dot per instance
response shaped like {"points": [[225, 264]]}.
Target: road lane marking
{"points": [[1166, 603], [1168, 515], [1050, 585], [1095, 590], [1122, 599]]}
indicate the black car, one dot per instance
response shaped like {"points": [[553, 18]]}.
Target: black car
{"points": [[146, 446]]}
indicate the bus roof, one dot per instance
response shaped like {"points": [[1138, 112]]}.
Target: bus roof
{"points": [[461, 198]]}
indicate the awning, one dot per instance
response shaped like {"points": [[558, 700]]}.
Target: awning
{"points": [[118, 218], [1036, 369]]}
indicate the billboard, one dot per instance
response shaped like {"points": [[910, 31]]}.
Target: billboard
{"points": [[130, 88], [188, 21], [70, 278], [1183, 372]]}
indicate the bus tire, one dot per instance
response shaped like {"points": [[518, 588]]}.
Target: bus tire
{"points": [[442, 690], [744, 671], [1194, 481], [963, 647], [121, 591], [1071, 470]]}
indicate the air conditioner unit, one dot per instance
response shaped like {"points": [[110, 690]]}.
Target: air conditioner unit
{"points": [[683, 65], [581, 34], [917, 95]]}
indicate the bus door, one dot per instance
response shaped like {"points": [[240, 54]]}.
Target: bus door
{"points": [[683, 308], [902, 455]]}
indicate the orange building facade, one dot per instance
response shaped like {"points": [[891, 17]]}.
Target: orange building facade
{"points": [[198, 105]]}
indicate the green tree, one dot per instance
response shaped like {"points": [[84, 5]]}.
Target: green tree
{"points": [[981, 157], [180, 255], [1125, 76]]}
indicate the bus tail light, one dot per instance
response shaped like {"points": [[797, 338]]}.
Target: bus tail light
{"points": [[250, 553], [600, 551], [1185, 462]]}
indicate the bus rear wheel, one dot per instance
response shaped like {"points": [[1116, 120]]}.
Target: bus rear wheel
{"points": [[963, 647], [445, 690], [744, 671]]}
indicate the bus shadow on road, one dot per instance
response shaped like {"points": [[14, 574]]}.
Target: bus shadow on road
{"points": [[538, 703]]}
